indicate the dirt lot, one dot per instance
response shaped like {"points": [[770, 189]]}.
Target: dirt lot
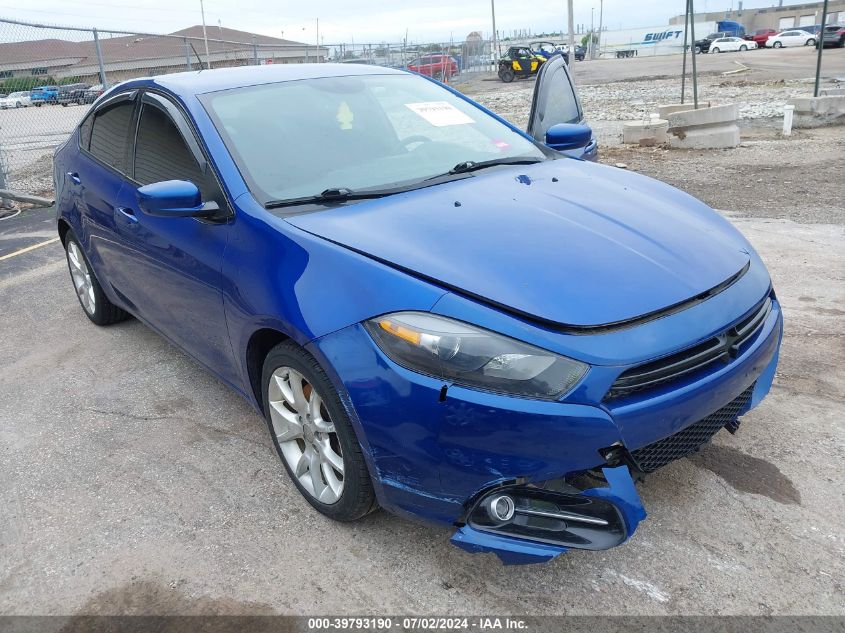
{"points": [[133, 481]]}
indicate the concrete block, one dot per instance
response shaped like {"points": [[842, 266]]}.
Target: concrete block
{"points": [[817, 111], [706, 128], [665, 110], [653, 131]]}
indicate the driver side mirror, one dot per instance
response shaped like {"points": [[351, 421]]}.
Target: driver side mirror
{"points": [[175, 199], [567, 136]]}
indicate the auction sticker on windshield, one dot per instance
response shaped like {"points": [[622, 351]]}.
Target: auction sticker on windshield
{"points": [[440, 113]]}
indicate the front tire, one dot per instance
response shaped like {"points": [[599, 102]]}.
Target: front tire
{"points": [[743, 48], [93, 300], [777, 45], [715, 50], [810, 42], [313, 435]]}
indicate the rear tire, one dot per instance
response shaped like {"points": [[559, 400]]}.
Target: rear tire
{"points": [[93, 300], [303, 407]]}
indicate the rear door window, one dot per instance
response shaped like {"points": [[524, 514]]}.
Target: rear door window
{"points": [[110, 135]]}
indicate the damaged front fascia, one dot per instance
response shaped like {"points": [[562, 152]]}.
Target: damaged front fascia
{"points": [[621, 491]]}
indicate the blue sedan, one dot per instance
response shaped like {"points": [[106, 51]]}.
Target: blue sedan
{"points": [[436, 312]]}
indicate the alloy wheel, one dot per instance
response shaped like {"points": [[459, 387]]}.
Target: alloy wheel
{"points": [[81, 276], [306, 435]]}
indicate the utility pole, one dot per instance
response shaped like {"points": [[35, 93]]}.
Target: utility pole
{"points": [[571, 30], [601, 20], [820, 41], [495, 33], [205, 36], [592, 33], [318, 40]]}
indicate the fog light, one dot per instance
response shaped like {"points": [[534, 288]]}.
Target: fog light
{"points": [[500, 508]]}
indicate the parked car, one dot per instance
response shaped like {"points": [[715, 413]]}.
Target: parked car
{"points": [[580, 51], [93, 92], [16, 100], [760, 36], [834, 35], [44, 94], [72, 94], [793, 37], [731, 44], [441, 67], [703, 45], [375, 262]]}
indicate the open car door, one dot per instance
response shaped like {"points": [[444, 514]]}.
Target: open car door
{"points": [[556, 116]]}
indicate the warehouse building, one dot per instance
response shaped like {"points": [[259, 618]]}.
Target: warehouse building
{"points": [[778, 17]]}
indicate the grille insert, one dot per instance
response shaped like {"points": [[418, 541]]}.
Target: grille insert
{"points": [[689, 440], [724, 347]]}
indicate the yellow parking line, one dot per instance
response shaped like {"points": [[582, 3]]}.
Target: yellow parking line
{"points": [[29, 248]]}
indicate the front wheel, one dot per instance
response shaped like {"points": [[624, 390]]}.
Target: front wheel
{"points": [[777, 45], [697, 50], [811, 42], [714, 50], [507, 76], [743, 48], [313, 435]]}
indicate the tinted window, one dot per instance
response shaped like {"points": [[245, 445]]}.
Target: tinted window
{"points": [[161, 153], [110, 135]]}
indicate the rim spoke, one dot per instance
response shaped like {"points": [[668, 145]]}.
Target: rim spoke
{"points": [[329, 457], [285, 423], [315, 408], [303, 463], [316, 476], [300, 403], [335, 484]]}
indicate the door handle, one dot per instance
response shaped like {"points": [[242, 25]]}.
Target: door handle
{"points": [[74, 177], [129, 214]]}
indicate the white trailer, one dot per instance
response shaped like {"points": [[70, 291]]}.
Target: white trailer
{"points": [[654, 40]]}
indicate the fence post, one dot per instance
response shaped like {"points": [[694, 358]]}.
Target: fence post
{"points": [[187, 54], [254, 52], [100, 60], [4, 204]]}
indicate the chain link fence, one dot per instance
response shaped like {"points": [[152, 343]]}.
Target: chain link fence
{"points": [[50, 75]]}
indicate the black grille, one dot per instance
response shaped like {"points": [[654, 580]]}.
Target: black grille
{"points": [[724, 347], [688, 441]]}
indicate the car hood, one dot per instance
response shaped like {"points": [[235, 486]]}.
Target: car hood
{"points": [[564, 241]]}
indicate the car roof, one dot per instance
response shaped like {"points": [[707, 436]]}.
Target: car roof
{"points": [[203, 81]]}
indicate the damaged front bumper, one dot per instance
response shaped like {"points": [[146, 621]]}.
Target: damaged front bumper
{"points": [[526, 524]]}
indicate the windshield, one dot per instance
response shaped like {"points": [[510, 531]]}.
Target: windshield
{"points": [[299, 138]]}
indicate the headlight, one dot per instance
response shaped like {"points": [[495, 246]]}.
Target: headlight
{"points": [[473, 357]]}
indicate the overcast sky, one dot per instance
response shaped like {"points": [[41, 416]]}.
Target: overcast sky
{"points": [[370, 21]]}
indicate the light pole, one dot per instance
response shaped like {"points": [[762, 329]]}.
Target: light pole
{"points": [[592, 33], [495, 34], [571, 30], [205, 36], [601, 20]]}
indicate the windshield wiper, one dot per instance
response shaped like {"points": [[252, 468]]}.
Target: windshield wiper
{"points": [[333, 194], [470, 165]]}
